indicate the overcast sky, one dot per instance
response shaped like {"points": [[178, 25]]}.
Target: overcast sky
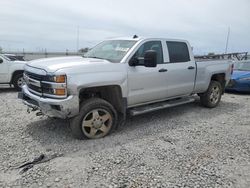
{"points": [[52, 24]]}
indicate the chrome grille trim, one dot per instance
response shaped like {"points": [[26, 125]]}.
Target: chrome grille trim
{"points": [[54, 96], [31, 81], [54, 85], [36, 85], [34, 92]]}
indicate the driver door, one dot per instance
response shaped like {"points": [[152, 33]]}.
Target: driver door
{"points": [[147, 84]]}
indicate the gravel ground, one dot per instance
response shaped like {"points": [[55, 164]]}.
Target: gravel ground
{"points": [[185, 146]]}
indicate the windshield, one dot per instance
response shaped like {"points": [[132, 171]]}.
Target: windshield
{"points": [[14, 57], [242, 66], [112, 50]]}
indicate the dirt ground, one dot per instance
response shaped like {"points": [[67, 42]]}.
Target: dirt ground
{"points": [[185, 146]]}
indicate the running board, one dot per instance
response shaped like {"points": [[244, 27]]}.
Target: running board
{"points": [[160, 105]]}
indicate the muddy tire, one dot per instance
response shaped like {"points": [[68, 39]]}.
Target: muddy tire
{"points": [[211, 98], [97, 118], [18, 81]]}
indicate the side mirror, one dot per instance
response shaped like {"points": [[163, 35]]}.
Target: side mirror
{"points": [[133, 61], [1, 60], [150, 58]]}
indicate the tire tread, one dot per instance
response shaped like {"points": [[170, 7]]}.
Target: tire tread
{"points": [[204, 97], [85, 107]]}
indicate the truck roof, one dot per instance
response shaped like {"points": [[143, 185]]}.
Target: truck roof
{"points": [[147, 38]]}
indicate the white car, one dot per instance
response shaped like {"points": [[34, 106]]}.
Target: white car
{"points": [[11, 70]]}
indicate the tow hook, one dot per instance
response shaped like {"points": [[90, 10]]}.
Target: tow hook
{"points": [[31, 109], [39, 113]]}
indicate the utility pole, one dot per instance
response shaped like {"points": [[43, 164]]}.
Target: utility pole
{"points": [[77, 39], [228, 34]]}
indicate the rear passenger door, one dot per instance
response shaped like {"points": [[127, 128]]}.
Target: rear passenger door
{"points": [[181, 69]]}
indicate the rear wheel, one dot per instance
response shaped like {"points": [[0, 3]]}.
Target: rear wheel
{"points": [[211, 98], [18, 81], [97, 118]]}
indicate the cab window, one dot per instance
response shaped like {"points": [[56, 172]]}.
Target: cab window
{"points": [[151, 45], [178, 52]]}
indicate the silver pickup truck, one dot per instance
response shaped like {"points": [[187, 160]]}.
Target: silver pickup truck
{"points": [[119, 77]]}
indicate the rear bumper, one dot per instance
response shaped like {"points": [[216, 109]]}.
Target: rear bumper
{"points": [[60, 108]]}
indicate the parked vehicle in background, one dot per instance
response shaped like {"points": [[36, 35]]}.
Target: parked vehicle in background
{"points": [[14, 57], [240, 80], [11, 70], [119, 77]]}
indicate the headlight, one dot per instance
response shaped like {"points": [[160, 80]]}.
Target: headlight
{"points": [[57, 78], [52, 91], [247, 78], [60, 92], [55, 86]]}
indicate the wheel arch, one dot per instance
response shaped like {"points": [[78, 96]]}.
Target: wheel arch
{"points": [[220, 77], [110, 93], [14, 74]]}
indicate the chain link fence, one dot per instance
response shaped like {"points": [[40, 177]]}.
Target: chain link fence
{"points": [[37, 55]]}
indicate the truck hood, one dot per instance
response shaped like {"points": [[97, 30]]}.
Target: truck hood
{"points": [[54, 64]]}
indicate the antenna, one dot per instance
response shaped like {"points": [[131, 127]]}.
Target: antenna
{"points": [[135, 37], [228, 34]]}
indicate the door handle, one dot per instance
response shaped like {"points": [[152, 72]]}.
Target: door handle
{"points": [[163, 70], [191, 67]]}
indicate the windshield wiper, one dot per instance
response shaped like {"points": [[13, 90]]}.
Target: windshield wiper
{"points": [[95, 57]]}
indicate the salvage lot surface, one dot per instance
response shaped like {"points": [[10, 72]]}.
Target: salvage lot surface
{"points": [[183, 146]]}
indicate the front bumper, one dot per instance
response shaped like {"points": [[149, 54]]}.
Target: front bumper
{"points": [[60, 108]]}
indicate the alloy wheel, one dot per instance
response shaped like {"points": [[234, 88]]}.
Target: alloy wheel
{"points": [[97, 123], [215, 94], [20, 82]]}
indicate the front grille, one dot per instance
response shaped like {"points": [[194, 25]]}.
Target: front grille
{"points": [[35, 88], [33, 81], [40, 86], [34, 76]]}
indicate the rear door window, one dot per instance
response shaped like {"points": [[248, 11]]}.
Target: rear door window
{"points": [[178, 52]]}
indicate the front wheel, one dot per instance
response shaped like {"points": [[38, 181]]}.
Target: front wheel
{"points": [[211, 98], [97, 118], [18, 82]]}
